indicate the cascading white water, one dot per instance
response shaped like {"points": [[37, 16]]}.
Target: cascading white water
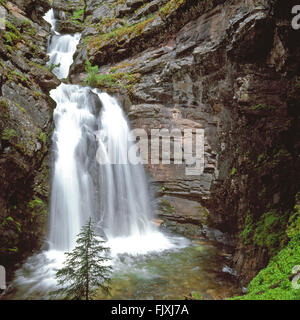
{"points": [[125, 202], [72, 186], [115, 195], [90, 123], [61, 48]]}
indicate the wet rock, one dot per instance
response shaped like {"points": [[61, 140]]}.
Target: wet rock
{"points": [[25, 127]]}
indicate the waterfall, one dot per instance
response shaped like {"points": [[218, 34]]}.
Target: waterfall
{"points": [[125, 200], [72, 186], [89, 126], [60, 48]]}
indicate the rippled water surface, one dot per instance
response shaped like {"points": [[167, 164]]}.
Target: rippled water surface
{"points": [[190, 268]]}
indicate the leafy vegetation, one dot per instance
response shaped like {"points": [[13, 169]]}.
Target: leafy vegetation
{"points": [[8, 134], [85, 270], [260, 107], [171, 6], [92, 71], [43, 137], [77, 16], [275, 281], [166, 207], [12, 35], [117, 79], [246, 234], [270, 231], [278, 281], [8, 220], [3, 3], [53, 66]]}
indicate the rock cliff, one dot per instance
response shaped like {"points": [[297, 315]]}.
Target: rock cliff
{"points": [[25, 128], [226, 66]]}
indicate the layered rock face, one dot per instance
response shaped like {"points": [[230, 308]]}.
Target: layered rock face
{"points": [[25, 127], [228, 67]]}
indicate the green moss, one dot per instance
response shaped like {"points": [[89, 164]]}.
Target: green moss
{"points": [[3, 3], [14, 75], [233, 171], [12, 35], [261, 107], [134, 29], [170, 7], [117, 34], [35, 203], [10, 220], [8, 134], [275, 281], [78, 15], [27, 27], [166, 207], [43, 68], [270, 231], [294, 221], [260, 158], [3, 103], [247, 234], [43, 137], [37, 208]]}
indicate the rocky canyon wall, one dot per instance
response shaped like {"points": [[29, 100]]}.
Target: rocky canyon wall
{"points": [[25, 129], [226, 66], [230, 68]]}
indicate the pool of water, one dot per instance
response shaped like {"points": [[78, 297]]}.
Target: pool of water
{"points": [[174, 274], [190, 268]]}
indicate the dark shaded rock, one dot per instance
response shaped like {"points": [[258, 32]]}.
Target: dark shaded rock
{"points": [[25, 129]]}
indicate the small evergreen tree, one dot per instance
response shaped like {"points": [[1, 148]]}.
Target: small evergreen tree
{"points": [[84, 270]]}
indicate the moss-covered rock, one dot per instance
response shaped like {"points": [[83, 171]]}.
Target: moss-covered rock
{"points": [[25, 128]]}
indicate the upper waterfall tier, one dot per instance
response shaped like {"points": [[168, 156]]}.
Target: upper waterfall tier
{"points": [[61, 48]]}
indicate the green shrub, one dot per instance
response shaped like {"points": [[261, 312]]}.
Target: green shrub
{"points": [[92, 71]]}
